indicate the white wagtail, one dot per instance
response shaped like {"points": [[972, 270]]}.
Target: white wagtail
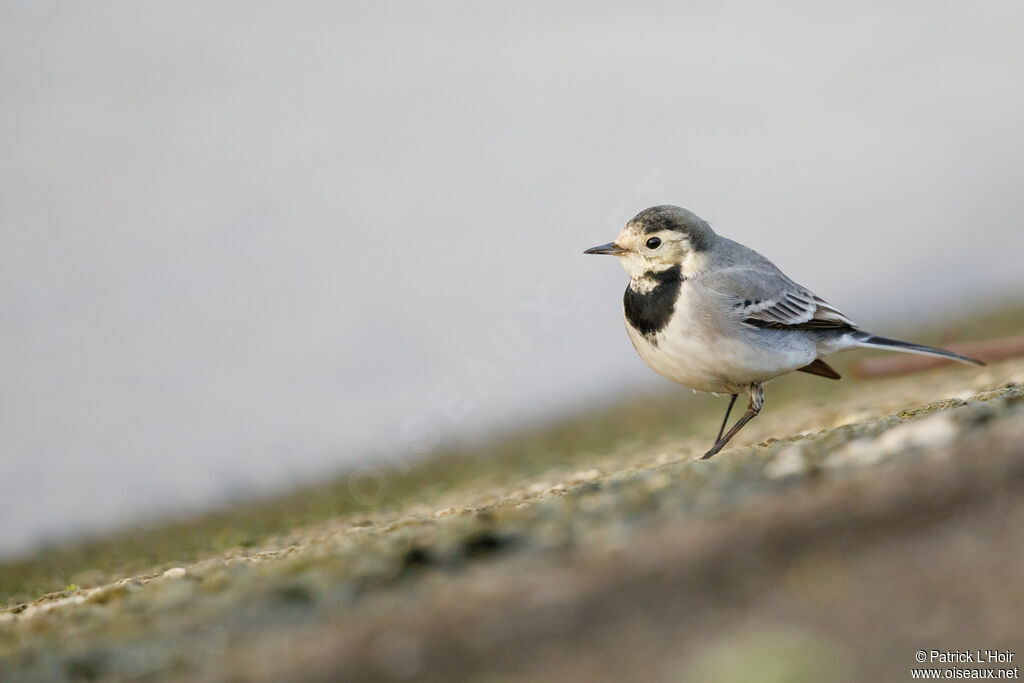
{"points": [[714, 315]]}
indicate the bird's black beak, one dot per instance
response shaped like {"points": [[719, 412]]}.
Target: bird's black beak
{"points": [[610, 248]]}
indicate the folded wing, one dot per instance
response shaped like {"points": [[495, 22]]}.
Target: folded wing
{"points": [[770, 300]]}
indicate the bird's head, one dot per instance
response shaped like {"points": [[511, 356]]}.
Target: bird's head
{"points": [[658, 238]]}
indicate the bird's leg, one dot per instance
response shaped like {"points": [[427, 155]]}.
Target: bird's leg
{"points": [[726, 418], [753, 408]]}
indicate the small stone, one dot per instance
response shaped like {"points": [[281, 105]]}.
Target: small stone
{"points": [[786, 463], [858, 452], [658, 481], [586, 475], [174, 573], [538, 488], [852, 418], [929, 432]]}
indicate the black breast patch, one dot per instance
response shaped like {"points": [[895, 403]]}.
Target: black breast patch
{"points": [[649, 312]]}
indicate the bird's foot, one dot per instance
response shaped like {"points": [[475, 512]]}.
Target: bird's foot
{"points": [[714, 449]]}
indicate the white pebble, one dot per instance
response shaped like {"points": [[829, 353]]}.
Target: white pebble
{"points": [[586, 475], [175, 573], [788, 462], [658, 481], [852, 418], [929, 432], [857, 452]]}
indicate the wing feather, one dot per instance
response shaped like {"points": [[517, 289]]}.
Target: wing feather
{"points": [[766, 298]]}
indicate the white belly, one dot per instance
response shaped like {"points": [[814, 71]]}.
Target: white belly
{"points": [[719, 355]]}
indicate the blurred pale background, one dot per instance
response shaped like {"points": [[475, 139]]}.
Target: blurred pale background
{"points": [[242, 245]]}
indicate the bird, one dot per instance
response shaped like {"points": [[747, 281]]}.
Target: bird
{"points": [[716, 316]]}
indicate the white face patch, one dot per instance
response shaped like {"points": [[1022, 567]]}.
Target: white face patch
{"points": [[675, 249], [634, 264]]}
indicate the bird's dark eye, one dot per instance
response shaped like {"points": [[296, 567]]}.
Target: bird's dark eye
{"points": [[653, 243]]}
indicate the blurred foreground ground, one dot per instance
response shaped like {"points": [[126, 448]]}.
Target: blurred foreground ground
{"points": [[848, 527]]}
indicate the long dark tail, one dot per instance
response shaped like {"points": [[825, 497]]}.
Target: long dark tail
{"points": [[874, 341]]}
